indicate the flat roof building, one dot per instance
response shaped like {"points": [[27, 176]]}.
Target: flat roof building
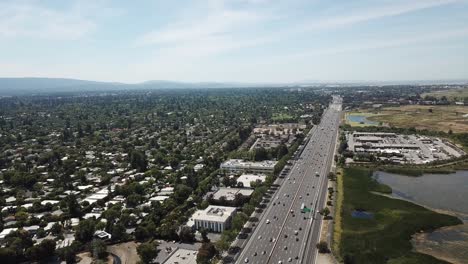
{"points": [[238, 165], [230, 193], [182, 256], [245, 179], [214, 218]]}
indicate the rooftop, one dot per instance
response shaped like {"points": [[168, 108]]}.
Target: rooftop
{"points": [[230, 193], [182, 256], [214, 213], [246, 179], [249, 164]]}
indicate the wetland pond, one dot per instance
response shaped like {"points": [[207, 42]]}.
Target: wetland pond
{"points": [[444, 193], [361, 119]]}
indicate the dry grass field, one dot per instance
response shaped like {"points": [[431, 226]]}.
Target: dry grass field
{"points": [[439, 118]]}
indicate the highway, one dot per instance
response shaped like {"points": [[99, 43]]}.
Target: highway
{"points": [[285, 233]]}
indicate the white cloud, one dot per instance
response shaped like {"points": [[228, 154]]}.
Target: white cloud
{"points": [[31, 19], [217, 21], [355, 16]]}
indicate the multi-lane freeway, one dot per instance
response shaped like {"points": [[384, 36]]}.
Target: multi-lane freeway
{"points": [[290, 227]]}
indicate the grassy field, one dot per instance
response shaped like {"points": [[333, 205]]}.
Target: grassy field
{"points": [[442, 118], [386, 237], [452, 94]]}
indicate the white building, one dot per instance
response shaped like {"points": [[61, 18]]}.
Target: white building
{"points": [[97, 196], [246, 179], [230, 193], [214, 218], [6, 232], [238, 165]]}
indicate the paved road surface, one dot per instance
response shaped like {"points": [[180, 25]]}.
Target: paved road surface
{"points": [[285, 234]]}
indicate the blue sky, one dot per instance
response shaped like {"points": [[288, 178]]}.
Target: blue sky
{"points": [[235, 40]]}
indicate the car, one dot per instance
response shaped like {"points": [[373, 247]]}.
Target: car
{"points": [[285, 247], [268, 221], [289, 259], [246, 260], [259, 237], [296, 232], [263, 252]]}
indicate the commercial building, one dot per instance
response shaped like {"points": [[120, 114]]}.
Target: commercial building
{"points": [[214, 218], [245, 179], [230, 193], [402, 149], [239, 166], [182, 256]]}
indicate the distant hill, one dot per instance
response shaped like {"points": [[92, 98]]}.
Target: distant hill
{"points": [[22, 86], [18, 86], [31, 86]]}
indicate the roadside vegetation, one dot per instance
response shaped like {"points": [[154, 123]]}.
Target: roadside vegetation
{"points": [[337, 230], [384, 237]]}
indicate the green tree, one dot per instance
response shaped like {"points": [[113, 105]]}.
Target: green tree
{"points": [[98, 249], [260, 154], [206, 252], [186, 235], [325, 212], [118, 231], [322, 247], [40, 252], [138, 160], [85, 230], [281, 151], [148, 251]]}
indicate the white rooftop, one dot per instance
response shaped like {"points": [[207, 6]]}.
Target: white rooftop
{"points": [[239, 163], [230, 193], [214, 213], [246, 179]]}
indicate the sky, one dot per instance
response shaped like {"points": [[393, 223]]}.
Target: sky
{"points": [[266, 41]]}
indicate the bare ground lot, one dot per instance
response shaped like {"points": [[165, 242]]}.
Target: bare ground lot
{"points": [[126, 252]]}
